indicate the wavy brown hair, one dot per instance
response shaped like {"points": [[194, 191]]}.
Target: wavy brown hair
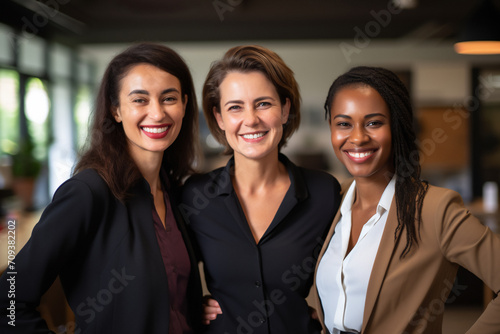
{"points": [[107, 150], [410, 190], [245, 59]]}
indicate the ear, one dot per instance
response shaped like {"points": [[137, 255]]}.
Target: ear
{"points": [[116, 114], [219, 119], [285, 111]]}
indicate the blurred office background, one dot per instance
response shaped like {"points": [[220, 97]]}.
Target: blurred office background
{"points": [[53, 53]]}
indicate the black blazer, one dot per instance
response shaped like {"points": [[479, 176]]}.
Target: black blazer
{"points": [[107, 257]]}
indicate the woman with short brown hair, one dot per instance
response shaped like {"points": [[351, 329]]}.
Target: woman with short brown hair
{"points": [[259, 220]]}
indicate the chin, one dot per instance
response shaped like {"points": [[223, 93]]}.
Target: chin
{"points": [[255, 155]]}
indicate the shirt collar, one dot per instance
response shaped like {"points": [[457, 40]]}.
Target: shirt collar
{"points": [[384, 203], [386, 199], [223, 185]]}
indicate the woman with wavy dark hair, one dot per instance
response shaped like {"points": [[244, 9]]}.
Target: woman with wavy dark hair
{"points": [[113, 232], [394, 248], [260, 220]]}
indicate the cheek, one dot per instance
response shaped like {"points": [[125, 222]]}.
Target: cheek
{"points": [[130, 115], [231, 123], [277, 119], [179, 116], [388, 142], [336, 139]]}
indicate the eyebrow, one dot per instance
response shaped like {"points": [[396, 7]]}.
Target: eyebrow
{"points": [[256, 100], [145, 92], [367, 116]]}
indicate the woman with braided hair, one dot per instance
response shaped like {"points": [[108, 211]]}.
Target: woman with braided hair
{"points": [[391, 256]]}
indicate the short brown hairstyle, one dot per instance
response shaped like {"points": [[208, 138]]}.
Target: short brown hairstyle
{"points": [[245, 59], [107, 151]]}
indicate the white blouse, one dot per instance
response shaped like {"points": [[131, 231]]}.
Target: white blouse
{"points": [[342, 281]]}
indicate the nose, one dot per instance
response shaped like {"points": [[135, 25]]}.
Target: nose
{"points": [[358, 136], [156, 111], [251, 118]]}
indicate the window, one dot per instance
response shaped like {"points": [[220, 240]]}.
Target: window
{"points": [[9, 111], [37, 107], [82, 114]]}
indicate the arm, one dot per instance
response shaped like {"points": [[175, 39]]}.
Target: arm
{"points": [[475, 247], [53, 242]]}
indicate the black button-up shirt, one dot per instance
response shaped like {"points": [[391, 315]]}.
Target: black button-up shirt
{"points": [[262, 286]]}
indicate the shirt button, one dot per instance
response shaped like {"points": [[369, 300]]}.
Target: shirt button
{"points": [[258, 284]]}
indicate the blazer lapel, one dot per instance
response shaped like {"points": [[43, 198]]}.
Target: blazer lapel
{"points": [[385, 253]]}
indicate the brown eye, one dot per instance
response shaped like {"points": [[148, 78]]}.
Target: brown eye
{"points": [[343, 124], [170, 99], [375, 123]]}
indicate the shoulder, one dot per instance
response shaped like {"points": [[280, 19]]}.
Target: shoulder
{"points": [[443, 209], [439, 191], [313, 178], [216, 178], [210, 184], [78, 204], [91, 178], [436, 197], [319, 179], [85, 184]]}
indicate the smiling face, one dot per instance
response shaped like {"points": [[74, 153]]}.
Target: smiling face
{"points": [[151, 109], [361, 132], [251, 114]]}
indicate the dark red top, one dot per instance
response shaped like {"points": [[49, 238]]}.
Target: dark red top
{"points": [[177, 266]]}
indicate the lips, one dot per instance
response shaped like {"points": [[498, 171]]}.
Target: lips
{"points": [[156, 131]]}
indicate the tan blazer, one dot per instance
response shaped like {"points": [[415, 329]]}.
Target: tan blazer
{"points": [[408, 295]]}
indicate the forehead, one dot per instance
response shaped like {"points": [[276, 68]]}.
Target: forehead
{"points": [[359, 99], [143, 74], [254, 82]]}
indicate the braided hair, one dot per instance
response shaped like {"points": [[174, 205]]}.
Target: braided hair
{"points": [[410, 190]]}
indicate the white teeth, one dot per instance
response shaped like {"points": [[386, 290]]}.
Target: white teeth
{"points": [[360, 155], [155, 130], [254, 136]]}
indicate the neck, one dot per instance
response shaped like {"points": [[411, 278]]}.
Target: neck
{"points": [[253, 175], [369, 190], [149, 165]]}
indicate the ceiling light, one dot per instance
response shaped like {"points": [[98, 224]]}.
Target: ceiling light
{"points": [[405, 4], [481, 32]]}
